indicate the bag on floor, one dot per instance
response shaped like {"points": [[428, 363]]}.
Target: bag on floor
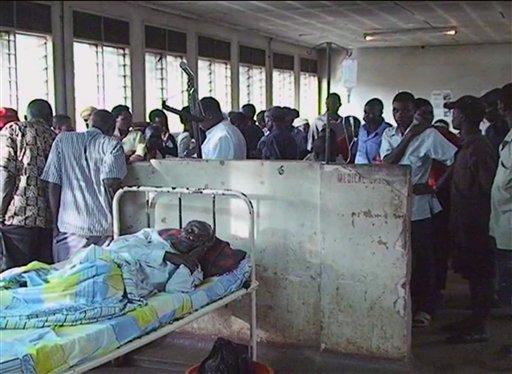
{"points": [[226, 357]]}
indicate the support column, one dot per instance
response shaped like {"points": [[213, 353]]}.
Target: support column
{"points": [[268, 72], [192, 56], [59, 63], [235, 74], [138, 67], [296, 73]]}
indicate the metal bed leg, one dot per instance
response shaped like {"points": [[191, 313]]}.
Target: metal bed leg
{"points": [[214, 218], [254, 328], [180, 206]]}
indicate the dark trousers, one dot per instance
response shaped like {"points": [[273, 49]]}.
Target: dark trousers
{"points": [[441, 249], [423, 270], [23, 245], [481, 289], [504, 281]]}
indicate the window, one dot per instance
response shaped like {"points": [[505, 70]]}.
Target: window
{"points": [[283, 80], [252, 77], [308, 89], [308, 96], [283, 84], [252, 86], [214, 77], [166, 81], [26, 70], [102, 77], [215, 80]]}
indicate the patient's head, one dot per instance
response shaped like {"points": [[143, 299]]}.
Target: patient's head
{"points": [[193, 235]]}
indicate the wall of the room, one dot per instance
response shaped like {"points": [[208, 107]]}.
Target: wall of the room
{"points": [[382, 72], [332, 248]]}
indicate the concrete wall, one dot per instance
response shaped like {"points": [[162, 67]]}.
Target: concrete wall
{"points": [[382, 72], [332, 245]]}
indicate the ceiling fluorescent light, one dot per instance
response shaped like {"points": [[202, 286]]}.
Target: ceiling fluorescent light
{"points": [[381, 35]]}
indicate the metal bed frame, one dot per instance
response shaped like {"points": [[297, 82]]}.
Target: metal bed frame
{"points": [[162, 331]]}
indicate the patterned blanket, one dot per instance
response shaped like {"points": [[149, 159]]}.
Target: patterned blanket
{"points": [[56, 349], [87, 288]]}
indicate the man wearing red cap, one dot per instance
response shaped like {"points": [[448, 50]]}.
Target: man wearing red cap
{"points": [[7, 115]]}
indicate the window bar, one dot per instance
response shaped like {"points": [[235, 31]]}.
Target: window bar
{"points": [[249, 84], [124, 75], [100, 77], [46, 69], [211, 89], [161, 68]]}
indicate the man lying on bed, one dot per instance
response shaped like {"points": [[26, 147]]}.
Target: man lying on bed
{"points": [[99, 283]]}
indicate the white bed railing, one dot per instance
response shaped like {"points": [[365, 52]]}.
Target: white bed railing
{"points": [[213, 193]]}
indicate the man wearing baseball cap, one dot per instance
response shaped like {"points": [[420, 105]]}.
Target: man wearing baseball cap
{"points": [[472, 175], [498, 128]]}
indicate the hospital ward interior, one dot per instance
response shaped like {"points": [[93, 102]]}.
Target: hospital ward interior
{"points": [[255, 187]]}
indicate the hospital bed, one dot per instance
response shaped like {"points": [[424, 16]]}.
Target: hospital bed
{"points": [[158, 319]]}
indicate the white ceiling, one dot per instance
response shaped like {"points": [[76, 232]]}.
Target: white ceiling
{"points": [[344, 22]]}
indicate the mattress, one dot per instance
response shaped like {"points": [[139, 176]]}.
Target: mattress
{"points": [[51, 350]]}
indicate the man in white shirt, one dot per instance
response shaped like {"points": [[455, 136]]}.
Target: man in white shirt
{"points": [[331, 116], [416, 143], [223, 140], [501, 219]]}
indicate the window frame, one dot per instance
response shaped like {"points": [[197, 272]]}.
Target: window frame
{"points": [[183, 56], [229, 88], [127, 81], [49, 68]]}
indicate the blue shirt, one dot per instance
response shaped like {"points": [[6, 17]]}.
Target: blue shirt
{"points": [[301, 138], [79, 162], [368, 145]]}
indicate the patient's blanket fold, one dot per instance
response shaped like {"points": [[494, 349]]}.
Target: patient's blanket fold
{"points": [[87, 289]]}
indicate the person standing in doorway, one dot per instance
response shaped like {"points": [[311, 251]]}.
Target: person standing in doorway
{"points": [[25, 217], [416, 143], [84, 170], [370, 133]]}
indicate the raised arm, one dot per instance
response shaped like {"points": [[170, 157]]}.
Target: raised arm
{"points": [[53, 175], [396, 155]]}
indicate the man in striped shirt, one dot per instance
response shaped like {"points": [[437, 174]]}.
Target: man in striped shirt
{"points": [[84, 170]]}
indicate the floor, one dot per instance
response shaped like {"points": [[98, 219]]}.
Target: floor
{"points": [[177, 352]]}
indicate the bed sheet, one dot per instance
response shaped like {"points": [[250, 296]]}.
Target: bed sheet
{"points": [[52, 350]]}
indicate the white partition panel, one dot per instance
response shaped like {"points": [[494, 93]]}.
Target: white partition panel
{"points": [[331, 248]]}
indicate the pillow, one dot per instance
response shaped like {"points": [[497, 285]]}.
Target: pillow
{"points": [[218, 259]]}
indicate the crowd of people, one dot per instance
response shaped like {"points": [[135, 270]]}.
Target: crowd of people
{"points": [[57, 185]]}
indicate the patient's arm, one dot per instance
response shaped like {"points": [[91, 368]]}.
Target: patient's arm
{"points": [[182, 259]]}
